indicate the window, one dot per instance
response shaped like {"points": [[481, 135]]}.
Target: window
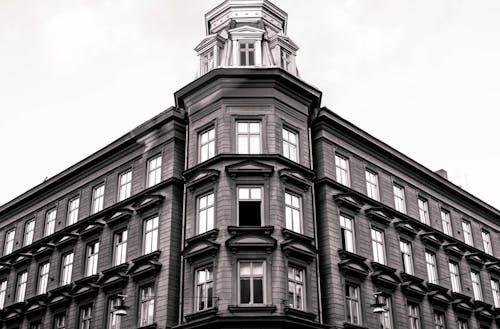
{"points": [[286, 60], [22, 278], [347, 232], [207, 61], [372, 185], [154, 171], [487, 242], [248, 138], [432, 273], [114, 320], [495, 289], [43, 278], [476, 285], [97, 198], [125, 185], [92, 258], [207, 144], [414, 316], [86, 317], [36, 325], [467, 233], [50, 222], [151, 235], [66, 268], [292, 212], [251, 281], [206, 213], [399, 198], [290, 145], [463, 324], [247, 53], [439, 322], [423, 211], [353, 308], [29, 231], [378, 246], [146, 306], [204, 289], [406, 256], [3, 290], [249, 206], [73, 206], [120, 242], [385, 318], [342, 170], [296, 288], [456, 286], [60, 321], [9, 242], [445, 218]]}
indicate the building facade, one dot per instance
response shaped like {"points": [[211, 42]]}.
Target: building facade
{"points": [[248, 205]]}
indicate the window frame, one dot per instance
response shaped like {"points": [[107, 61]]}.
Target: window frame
{"points": [[495, 291], [57, 320], [10, 237], [42, 278], [446, 222], [111, 317], [248, 136], [455, 280], [288, 145], [150, 236], [414, 315], [353, 303], [487, 246], [399, 198], [85, 316], [238, 200], [92, 258], [117, 246], [29, 234], [292, 209], [66, 272], [439, 319], [385, 318], [378, 246], [297, 283], [145, 302], [477, 290], [344, 230], [467, 231], [206, 212], [155, 172], [3, 292], [205, 286], [125, 187], [21, 284], [407, 256], [73, 212], [98, 199], [252, 278], [423, 211], [372, 184], [342, 173], [210, 144], [431, 267], [207, 61], [50, 222], [246, 51]]}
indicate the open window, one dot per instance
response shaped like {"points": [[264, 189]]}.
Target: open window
{"points": [[249, 206]]}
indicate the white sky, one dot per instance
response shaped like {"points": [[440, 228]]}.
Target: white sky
{"points": [[422, 76]]}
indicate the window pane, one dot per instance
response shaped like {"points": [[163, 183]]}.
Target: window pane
{"points": [[258, 296], [245, 291]]}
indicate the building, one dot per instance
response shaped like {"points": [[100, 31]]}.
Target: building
{"points": [[248, 205]]}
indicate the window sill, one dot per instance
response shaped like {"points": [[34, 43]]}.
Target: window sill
{"points": [[201, 314], [348, 325], [299, 313], [252, 308], [149, 326]]}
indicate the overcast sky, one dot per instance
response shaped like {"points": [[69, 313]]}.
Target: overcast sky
{"points": [[422, 76]]}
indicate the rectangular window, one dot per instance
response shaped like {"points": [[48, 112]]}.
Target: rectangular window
{"points": [[60, 321], [466, 227], [372, 185], [495, 289], [445, 219], [207, 144], [342, 170], [476, 285], [154, 171], [36, 324], [92, 258], [207, 61], [206, 206], [50, 222], [247, 53], [73, 207], [29, 232], [487, 242], [249, 206], [3, 290], [439, 321], [97, 198], [66, 268], [204, 289], [125, 185], [290, 145], [406, 256], [292, 212], [251, 281], [120, 247], [352, 302], [414, 316], [43, 278], [22, 279], [86, 317], [456, 285], [399, 198], [378, 246], [423, 211], [347, 232], [9, 242], [296, 294], [432, 273], [385, 318], [146, 306], [463, 324], [150, 235], [248, 138], [114, 320]]}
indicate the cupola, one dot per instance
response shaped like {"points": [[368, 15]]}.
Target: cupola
{"points": [[246, 33]]}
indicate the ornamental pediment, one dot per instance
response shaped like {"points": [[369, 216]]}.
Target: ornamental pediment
{"points": [[298, 250], [202, 177], [379, 215], [200, 249], [208, 42], [295, 178], [251, 241], [246, 29], [249, 167], [347, 200], [148, 201]]}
